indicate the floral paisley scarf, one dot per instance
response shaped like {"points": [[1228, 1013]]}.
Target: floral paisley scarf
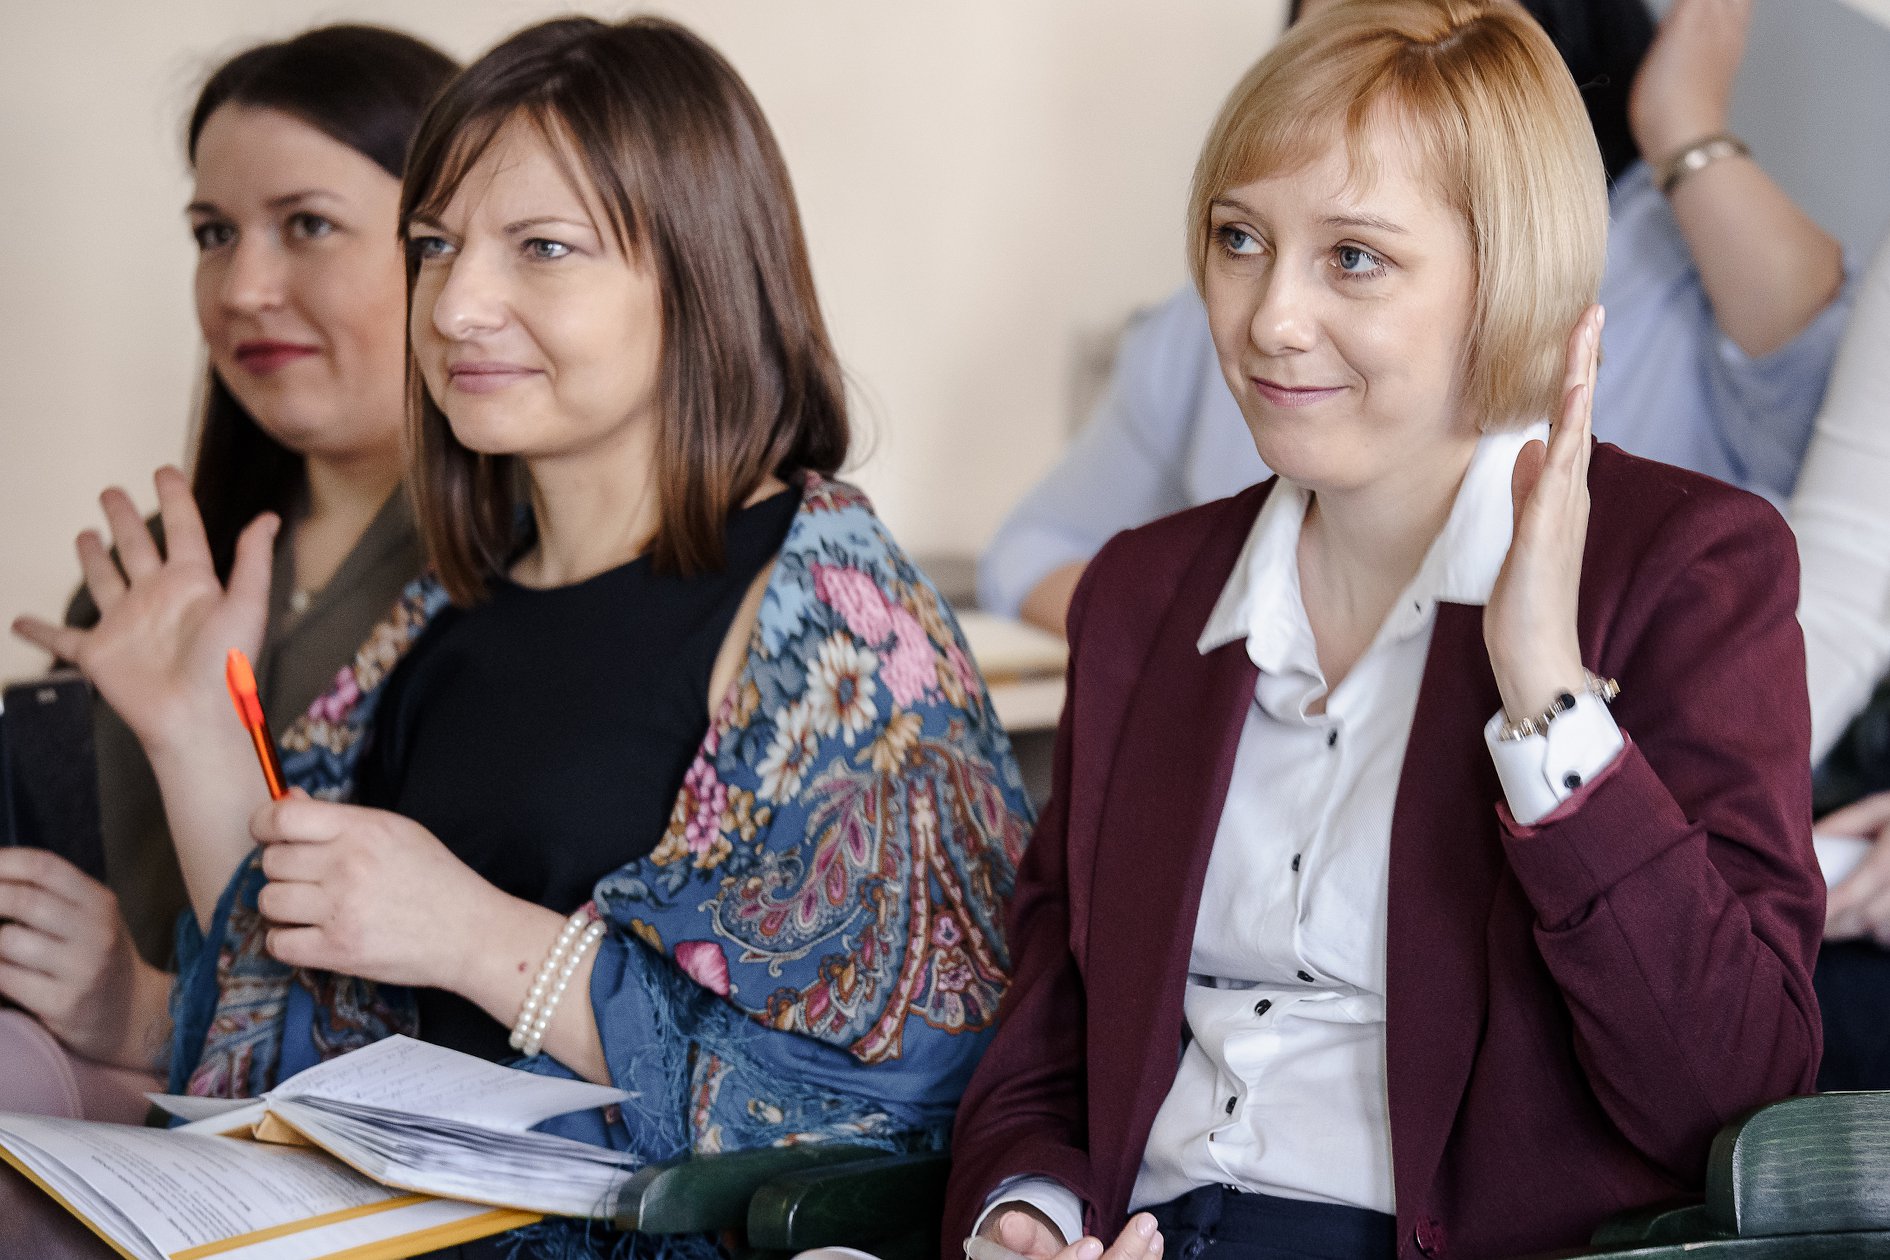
{"points": [[813, 950]]}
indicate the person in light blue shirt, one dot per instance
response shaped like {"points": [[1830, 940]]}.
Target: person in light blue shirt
{"points": [[1725, 305]]}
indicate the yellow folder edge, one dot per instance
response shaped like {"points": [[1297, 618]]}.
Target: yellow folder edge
{"points": [[60, 1199], [297, 1227], [495, 1221]]}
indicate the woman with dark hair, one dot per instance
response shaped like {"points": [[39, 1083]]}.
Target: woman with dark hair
{"points": [[1727, 303], [297, 149], [672, 722]]}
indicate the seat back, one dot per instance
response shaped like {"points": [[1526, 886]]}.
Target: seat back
{"points": [[1819, 1164]]}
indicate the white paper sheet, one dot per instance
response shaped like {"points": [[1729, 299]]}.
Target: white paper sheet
{"points": [[180, 1190], [401, 1074]]}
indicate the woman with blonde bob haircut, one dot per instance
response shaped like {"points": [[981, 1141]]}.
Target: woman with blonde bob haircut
{"points": [[1536, 206], [1427, 869]]}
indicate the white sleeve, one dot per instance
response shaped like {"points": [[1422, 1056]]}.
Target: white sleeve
{"points": [[1051, 1198], [1540, 772], [1840, 513]]}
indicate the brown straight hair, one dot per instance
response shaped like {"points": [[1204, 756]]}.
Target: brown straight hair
{"points": [[668, 135]]}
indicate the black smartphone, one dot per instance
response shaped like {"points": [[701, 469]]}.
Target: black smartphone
{"points": [[49, 770]]}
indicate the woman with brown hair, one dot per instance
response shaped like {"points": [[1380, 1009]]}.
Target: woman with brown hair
{"points": [[673, 722], [1428, 866]]}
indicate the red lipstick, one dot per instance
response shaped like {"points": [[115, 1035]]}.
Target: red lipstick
{"points": [[266, 357]]}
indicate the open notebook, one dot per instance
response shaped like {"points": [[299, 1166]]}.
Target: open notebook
{"points": [[396, 1149]]}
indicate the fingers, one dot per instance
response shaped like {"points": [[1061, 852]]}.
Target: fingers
{"points": [[1582, 440], [299, 820], [1856, 907], [184, 538], [137, 551], [103, 579], [303, 863], [1022, 1233], [1139, 1240], [1570, 438], [1842, 908], [255, 556], [1863, 911], [1598, 322], [35, 909], [298, 946], [1523, 478], [63, 642], [1575, 357], [48, 871], [295, 904], [38, 992], [1865, 818], [29, 949]]}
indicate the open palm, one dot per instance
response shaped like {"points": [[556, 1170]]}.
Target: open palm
{"points": [[165, 621]]}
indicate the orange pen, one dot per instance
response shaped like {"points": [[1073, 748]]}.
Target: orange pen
{"points": [[242, 680]]}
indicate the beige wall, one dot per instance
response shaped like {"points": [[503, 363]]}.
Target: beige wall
{"points": [[989, 185], [984, 183]]}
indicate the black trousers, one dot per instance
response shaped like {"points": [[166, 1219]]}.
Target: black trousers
{"points": [[1853, 985], [1223, 1224]]}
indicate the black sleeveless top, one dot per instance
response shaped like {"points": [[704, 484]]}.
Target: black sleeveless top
{"points": [[543, 735]]}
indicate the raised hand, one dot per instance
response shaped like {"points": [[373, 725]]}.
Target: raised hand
{"points": [[1529, 623], [1685, 84], [165, 627], [165, 621], [67, 958]]}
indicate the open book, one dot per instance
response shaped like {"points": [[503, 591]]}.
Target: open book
{"points": [[396, 1149]]}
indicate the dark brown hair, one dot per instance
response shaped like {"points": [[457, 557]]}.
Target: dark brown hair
{"points": [[364, 87], [666, 133]]}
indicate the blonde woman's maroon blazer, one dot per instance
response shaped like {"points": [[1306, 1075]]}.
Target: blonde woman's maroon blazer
{"points": [[1572, 1008]]}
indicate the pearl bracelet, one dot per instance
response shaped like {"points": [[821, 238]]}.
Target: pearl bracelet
{"points": [[581, 932], [1603, 689]]}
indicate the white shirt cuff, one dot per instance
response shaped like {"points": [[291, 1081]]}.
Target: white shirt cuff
{"points": [[1051, 1198], [1539, 772]]}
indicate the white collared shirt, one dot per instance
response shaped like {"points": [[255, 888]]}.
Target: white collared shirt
{"points": [[1281, 1088]]}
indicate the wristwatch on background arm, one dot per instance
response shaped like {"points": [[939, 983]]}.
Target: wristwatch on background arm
{"points": [[1697, 157]]}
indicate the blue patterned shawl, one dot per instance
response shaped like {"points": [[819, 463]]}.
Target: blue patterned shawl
{"points": [[813, 950]]}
